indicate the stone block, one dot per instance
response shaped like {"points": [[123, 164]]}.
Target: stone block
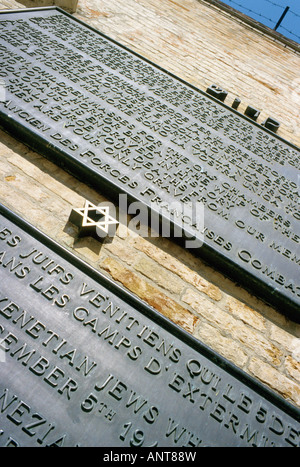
{"points": [[277, 381], [150, 294], [68, 5]]}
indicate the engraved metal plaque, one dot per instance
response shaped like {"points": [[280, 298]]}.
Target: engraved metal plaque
{"points": [[126, 126], [85, 363]]}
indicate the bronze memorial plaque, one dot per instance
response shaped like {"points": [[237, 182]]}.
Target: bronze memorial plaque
{"points": [[126, 126], [85, 363]]}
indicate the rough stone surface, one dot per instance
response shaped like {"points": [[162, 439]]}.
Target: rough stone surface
{"points": [[69, 5], [174, 265], [9, 5], [234, 328], [268, 375], [245, 313], [225, 346], [150, 294], [293, 368]]}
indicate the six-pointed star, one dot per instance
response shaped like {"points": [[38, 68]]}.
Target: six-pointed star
{"points": [[93, 221]]}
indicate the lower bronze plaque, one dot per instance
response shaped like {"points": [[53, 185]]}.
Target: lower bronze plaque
{"points": [[128, 127], [84, 363]]}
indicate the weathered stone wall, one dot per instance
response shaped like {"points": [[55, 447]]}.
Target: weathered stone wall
{"points": [[202, 45], [69, 5]]}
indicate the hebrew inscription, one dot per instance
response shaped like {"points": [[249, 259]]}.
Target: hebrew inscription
{"points": [[83, 363], [126, 126]]}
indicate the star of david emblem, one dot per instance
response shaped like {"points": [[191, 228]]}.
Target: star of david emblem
{"points": [[94, 221]]}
